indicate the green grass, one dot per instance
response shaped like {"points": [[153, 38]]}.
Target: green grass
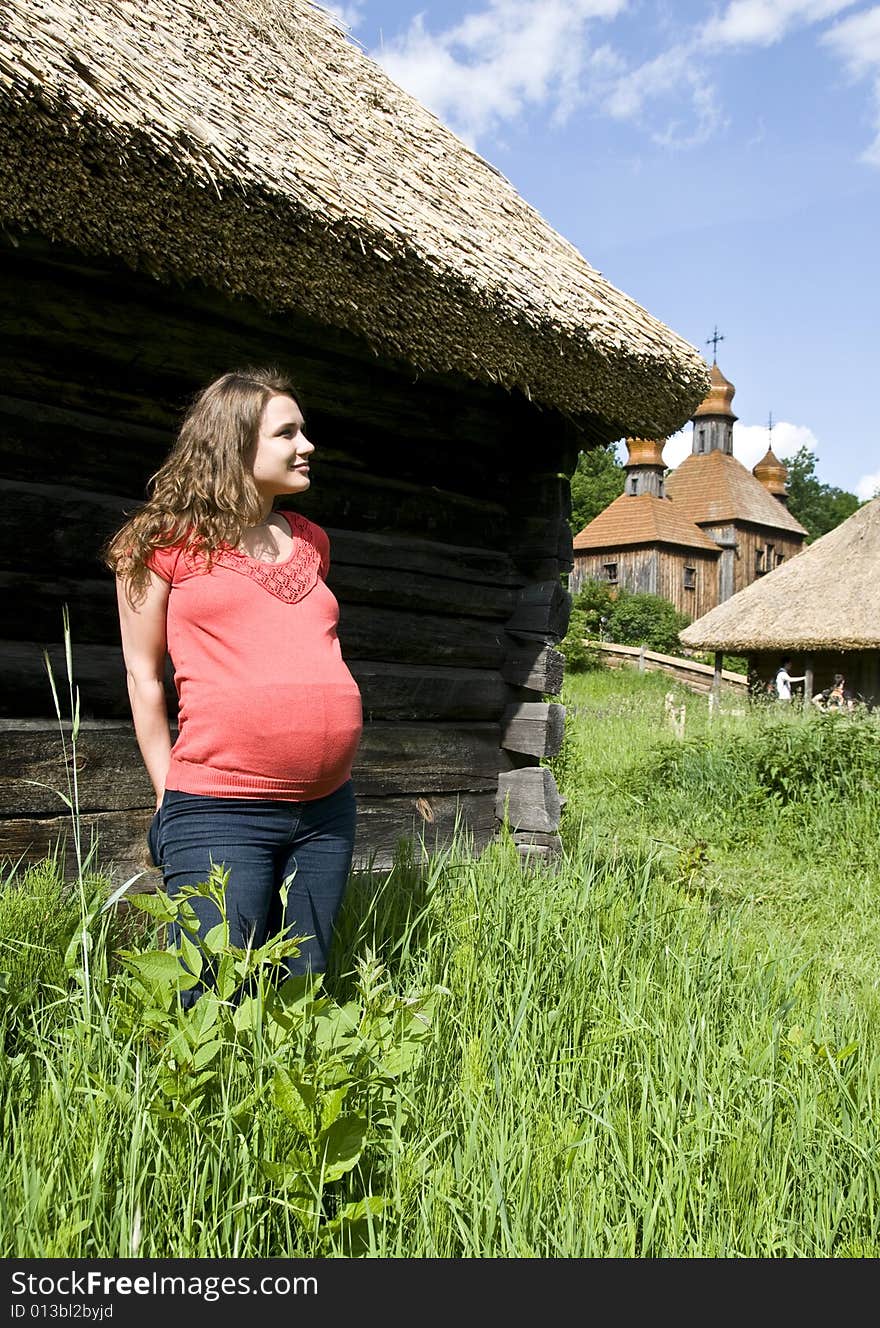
{"points": [[664, 1048]]}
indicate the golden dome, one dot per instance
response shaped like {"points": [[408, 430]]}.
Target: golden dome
{"points": [[645, 452], [771, 472], [718, 402]]}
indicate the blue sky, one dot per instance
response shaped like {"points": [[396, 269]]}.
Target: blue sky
{"points": [[719, 162]]}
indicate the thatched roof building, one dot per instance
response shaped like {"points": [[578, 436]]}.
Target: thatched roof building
{"points": [[249, 144], [187, 186], [822, 608]]}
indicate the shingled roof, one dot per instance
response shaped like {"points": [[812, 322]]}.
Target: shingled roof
{"points": [[251, 145], [713, 487], [642, 519], [827, 598]]}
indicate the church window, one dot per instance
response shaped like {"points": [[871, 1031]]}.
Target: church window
{"points": [[611, 573], [633, 484], [780, 558], [690, 578], [701, 440], [759, 561]]}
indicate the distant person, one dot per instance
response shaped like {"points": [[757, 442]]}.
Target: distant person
{"points": [[836, 697], [784, 680]]}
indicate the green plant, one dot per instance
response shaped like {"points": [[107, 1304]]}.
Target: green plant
{"points": [[641, 619], [578, 654], [332, 1069]]}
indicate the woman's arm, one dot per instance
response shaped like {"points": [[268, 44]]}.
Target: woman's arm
{"points": [[144, 644]]}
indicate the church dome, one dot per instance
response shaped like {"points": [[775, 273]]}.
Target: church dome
{"points": [[720, 396], [645, 452], [771, 472]]}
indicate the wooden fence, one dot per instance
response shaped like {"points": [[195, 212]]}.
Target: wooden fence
{"points": [[691, 674]]}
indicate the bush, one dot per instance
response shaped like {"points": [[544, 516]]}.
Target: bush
{"points": [[640, 619], [579, 657]]}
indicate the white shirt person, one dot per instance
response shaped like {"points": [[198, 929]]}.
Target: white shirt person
{"points": [[784, 680]]}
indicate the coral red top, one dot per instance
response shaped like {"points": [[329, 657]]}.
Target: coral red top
{"points": [[268, 708]]}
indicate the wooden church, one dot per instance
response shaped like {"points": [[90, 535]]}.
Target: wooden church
{"points": [[699, 533]]}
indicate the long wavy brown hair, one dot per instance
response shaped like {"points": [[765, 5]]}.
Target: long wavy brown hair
{"points": [[204, 493]]}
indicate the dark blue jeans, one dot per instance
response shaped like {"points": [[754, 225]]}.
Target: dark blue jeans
{"points": [[261, 843]]}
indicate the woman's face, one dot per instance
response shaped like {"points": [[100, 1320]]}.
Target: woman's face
{"points": [[281, 457]]}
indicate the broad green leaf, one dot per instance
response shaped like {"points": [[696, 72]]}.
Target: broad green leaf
{"points": [[331, 1105], [205, 1054], [216, 940], [295, 1099], [157, 905], [153, 967], [342, 1145], [191, 955]]}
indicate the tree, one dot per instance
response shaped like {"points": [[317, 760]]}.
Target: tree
{"points": [[597, 480], [820, 507]]}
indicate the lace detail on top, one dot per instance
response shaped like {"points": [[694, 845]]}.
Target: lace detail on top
{"points": [[291, 580]]}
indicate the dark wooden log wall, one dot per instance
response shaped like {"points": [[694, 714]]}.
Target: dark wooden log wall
{"points": [[448, 538]]}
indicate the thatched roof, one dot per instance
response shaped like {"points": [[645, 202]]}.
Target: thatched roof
{"points": [[713, 487], [641, 519], [251, 145], [825, 598]]}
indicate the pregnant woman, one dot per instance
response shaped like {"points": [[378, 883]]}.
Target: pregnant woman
{"points": [[269, 716]]}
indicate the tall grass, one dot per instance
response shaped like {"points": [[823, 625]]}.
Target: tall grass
{"points": [[664, 1047]]}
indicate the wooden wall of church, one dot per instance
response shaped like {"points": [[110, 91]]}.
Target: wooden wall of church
{"points": [[447, 548], [757, 550], [687, 578]]}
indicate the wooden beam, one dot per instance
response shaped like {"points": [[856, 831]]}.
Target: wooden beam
{"points": [[533, 728], [393, 759], [426, 820], [535, 666], [528, 799]]}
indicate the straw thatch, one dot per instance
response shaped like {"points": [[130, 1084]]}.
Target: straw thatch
{"points": [[826, 598], [250, 144]]}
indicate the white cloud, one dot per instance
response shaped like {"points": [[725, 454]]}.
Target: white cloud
{"points": [[668, 75], [507, 57], [868, 486], [763, 22], [856, 40], [349, 15], [500, 59]]}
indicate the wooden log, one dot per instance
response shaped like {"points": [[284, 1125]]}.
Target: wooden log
{"points": [[389, 690], [393, 758], [426, 820], [35, 603], [371, 632], [542, 609], [534, 728], [428, 692], [57, 526], [535, 848], [457, 562], [35, 606], [53, 526], [418, 593], [528, 799], [75, 444], [98, 671], [534, 665]]}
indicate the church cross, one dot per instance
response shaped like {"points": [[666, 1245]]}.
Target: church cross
{"points": [[713, 342]]}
